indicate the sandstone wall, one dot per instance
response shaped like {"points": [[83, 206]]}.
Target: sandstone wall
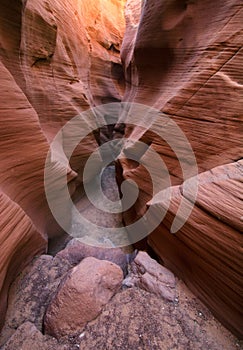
{"points": [[184, 58], [58, 58]]}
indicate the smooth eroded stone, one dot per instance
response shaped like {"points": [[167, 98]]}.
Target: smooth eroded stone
{"points": [[57, 60], [184, 58], [82, 295]]}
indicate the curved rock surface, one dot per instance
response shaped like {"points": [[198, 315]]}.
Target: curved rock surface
{"points": [[57, 60], [184, 59], [82, 295]]}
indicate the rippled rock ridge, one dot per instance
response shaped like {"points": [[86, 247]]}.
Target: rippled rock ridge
{"points": [[181, 57]]}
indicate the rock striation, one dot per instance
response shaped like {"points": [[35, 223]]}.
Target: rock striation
{"points": [[184, 59], [57, 60]]}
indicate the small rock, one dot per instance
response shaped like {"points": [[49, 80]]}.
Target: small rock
{"points": [[149, 275], [87, 288], [28, 337]]}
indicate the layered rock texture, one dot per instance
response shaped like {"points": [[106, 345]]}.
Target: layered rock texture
{"points": [[184, 58], [58, 58]]}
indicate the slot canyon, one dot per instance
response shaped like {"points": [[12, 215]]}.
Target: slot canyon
{"points": [[140, 101]]}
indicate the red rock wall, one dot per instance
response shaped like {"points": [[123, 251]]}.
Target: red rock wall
{"points": [[184, 58], [58, 58]]}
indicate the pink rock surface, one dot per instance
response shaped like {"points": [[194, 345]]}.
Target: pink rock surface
{"points": [[81, 296], [148, 274], [184, 59], [207, 251], [57, 60], [19, 241]]}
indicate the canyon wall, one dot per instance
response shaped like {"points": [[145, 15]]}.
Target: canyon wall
{"points": [[184, 58], [58, 58]]}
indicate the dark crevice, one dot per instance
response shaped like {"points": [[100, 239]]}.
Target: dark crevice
{"points": [[114, 49], [40, 60]]}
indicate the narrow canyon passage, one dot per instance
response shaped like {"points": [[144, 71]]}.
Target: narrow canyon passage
{"points": [[173, 69], [96, 216], [99, 217]]}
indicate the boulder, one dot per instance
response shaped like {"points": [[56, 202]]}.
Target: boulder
{"points": [[82, 295]]}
